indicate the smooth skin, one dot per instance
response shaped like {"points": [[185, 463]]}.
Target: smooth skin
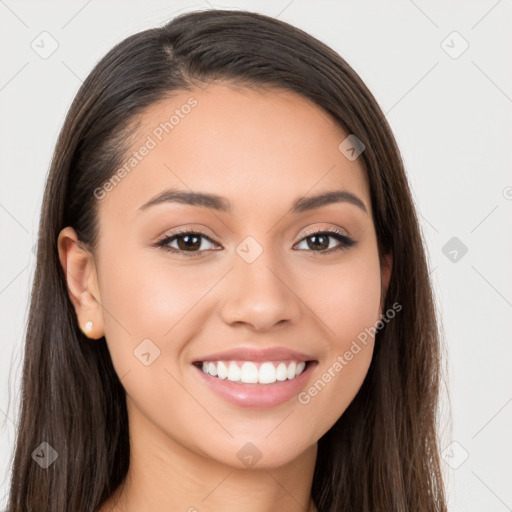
{"points": [[261, 151]]}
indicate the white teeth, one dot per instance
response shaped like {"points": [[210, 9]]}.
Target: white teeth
{"points": [[281, 372], [233, 372], [212, 369], [267, 373], [248, 372], [291, 370], [222, 370]]}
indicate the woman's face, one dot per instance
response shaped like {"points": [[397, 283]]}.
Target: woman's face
{"points": [[251, 286]]}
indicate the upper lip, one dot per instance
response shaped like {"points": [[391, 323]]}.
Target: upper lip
{"points": [[256, 354]]}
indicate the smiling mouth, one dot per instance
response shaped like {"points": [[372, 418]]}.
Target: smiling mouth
{"points": [[250, 372]]}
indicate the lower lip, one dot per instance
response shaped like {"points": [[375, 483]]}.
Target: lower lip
{"points": [[257, 395]]}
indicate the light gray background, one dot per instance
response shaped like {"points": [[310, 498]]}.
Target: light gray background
{"points": [[451, 117]]}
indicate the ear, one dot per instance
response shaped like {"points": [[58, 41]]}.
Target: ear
{"points": [[385, 273], [82, 283]]}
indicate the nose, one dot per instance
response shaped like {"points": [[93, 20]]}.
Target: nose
{"points": [[260, 294]]}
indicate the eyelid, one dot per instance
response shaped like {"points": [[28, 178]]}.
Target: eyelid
{"points": [[190, 228], [313, 231]]}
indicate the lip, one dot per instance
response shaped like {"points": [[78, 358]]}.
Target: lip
{"points": [[257, 355], [259, 396]]}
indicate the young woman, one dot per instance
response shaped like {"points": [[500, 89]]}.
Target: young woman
{"points": [[231, 308]]}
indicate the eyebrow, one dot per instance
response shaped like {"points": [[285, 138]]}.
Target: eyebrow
{"points": [[222, 204]]}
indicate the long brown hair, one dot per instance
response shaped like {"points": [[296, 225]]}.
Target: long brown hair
{"points": [[382, 455]]}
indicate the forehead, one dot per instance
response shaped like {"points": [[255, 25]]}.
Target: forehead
{"points": [[259, 148]]}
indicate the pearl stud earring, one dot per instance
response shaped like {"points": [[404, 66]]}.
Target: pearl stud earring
{"points": [[88, 327]]}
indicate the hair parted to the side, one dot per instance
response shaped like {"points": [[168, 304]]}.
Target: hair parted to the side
{"points": [[382, 455]]}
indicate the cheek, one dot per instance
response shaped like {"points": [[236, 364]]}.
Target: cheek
{"points": [[150, 294], [346, 298], [151, 298], [151, 317]]}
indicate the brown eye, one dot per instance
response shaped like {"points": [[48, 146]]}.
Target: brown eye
{"points": [[186, 242], [320, 241]]}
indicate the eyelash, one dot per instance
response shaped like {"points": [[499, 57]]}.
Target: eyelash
{"points": [[345, 241]]}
